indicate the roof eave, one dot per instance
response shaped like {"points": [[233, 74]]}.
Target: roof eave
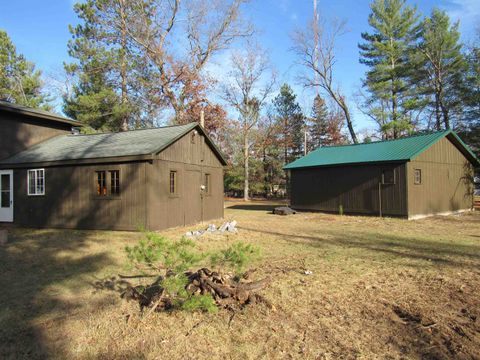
{"points": [[466, 149], [35, 114], [87, 161], [396, 161]]}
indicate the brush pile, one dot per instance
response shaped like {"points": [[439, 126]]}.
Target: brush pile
{"points": [[228, 291]]}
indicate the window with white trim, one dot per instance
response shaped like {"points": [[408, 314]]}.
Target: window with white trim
{"points": [[417, 176], [115, 182], [36, 182]]}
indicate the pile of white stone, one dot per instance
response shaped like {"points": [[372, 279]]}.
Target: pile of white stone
{"points": [[228, 226]]}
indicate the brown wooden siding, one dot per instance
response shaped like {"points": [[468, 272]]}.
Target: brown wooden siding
{"points": [[70, 199], [196, 153], [191, 160], [354, 187], [446, 181], [20, 132]]}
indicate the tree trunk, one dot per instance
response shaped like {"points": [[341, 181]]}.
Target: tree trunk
{"points": [[446, 116], [285, 148], [245, 168], [438, 116], [340, 100], [123, 68], [350, 126], [394, 111], [444, 109], [265, 172]]}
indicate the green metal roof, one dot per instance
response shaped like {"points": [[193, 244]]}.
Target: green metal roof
{"points": [[403, 149], [107, 145]]}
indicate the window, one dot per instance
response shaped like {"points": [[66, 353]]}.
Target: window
{"points": [[101, 183], [193, 137], [36, 182], [388, 176], [104, 179], [417, 176], [5, 191], [173, 182], [207, 184], [115, 182]]}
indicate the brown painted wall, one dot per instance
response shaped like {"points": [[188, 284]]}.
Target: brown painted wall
{"points": [[355, 187], [191, 161], [70, 199], [19, 132], [446, 181]]}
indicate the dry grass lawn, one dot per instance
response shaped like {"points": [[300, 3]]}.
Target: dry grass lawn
{"points": [[380, 288]]}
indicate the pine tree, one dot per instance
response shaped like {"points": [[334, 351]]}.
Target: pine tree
{"points": [[20, 83], [441, 67], [387, 51], [325, 128], [291, 123], [318, 129], [469, 128], [105, 69]]}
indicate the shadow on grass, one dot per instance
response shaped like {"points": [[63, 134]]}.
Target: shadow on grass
{"points": [[29, 265], [254, 207], [401, 247]]}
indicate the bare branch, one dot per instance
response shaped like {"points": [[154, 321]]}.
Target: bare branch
{"points": [[315, 48]]}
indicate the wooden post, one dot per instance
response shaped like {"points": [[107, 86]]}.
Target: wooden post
{"points": [[380, 198]]}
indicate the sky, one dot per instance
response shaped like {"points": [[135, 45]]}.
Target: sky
{"points": [[39, 29]]}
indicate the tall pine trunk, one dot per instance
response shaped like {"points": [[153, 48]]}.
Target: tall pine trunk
{"points": [[245, 167], [438, 115], [123, 67]]}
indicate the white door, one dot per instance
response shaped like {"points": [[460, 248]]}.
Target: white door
{"points": [[6, 195]]}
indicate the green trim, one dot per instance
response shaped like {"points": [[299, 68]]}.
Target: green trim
{"points": [[441, 134], [467, 148], [404, 149]]}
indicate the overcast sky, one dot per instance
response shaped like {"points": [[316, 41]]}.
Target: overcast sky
{"points": [[39, 29]]}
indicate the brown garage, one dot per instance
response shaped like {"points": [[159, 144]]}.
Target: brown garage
{"points": [[152, 178], [410, 177]]}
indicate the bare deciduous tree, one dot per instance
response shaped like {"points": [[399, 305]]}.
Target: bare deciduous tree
{"points": [[315, 48], [251, 81], [180, 37]]}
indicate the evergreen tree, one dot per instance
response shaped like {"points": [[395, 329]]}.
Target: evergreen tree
{"points": [[387, 51], [291, 123], [325, 127], [471, 90], [318, 129], [441, 67], [103, 96], [20, 83], [469, 128]]}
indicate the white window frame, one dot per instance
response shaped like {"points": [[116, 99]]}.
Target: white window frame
{"points": [[36, 172], [415, 182]]}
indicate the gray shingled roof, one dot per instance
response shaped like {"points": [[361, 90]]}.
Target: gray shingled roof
{"points": [[75, 147], [36, 113]]}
